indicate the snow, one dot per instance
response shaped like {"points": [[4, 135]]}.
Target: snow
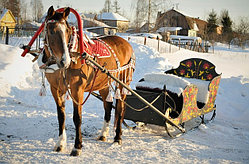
{"points": [[175, 84], [29, 127], [149, 35], [166, 29], [111, 16], [3, 11]]}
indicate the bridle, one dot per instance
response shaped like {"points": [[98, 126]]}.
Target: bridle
{"points": [[52, 57]]}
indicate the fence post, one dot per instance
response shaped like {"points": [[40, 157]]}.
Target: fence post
{"points": [[179, 43], [37, 43], [144, 40], [7, 36], [170, 46], [158, 46]]}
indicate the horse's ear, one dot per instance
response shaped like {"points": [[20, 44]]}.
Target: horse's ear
{"points": [[51, 12], [66, 12]]}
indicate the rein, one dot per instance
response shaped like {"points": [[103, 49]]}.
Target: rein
{"points": [[68, 89]]}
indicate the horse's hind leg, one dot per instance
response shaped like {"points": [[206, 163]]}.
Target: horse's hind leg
{"points": [[60, 103], [119, 117], [107, 117]]}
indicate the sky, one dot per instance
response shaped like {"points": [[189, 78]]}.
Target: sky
{"points": [[194, 8]]}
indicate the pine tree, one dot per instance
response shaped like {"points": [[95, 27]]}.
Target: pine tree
{"points": [[212, 26], [226, 22], [227, 32], [212, 22]]}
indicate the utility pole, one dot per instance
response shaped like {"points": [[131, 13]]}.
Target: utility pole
{"points": [[149, 12]]}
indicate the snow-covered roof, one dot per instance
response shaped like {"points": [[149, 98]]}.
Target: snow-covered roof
{"points": [[92, 22], [149, 35], [184, 37], [111, 16], [3, 11], [91, 16], [166, 29]]}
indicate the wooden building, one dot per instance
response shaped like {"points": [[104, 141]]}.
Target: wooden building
{"points": [[7, 19], [114, 20], [173, 18]]}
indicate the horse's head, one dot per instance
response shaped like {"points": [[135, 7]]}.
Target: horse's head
{"points": [[57, 36]]}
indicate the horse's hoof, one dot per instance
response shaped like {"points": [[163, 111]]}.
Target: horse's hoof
{"points": [[59, 148], [119, 141], [102, 138], [76, 152]]}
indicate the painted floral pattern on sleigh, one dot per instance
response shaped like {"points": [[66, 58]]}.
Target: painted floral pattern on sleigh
{"points": [[193, 87]]}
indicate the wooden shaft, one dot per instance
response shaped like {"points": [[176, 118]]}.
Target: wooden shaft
{"points": [[87, 57]]}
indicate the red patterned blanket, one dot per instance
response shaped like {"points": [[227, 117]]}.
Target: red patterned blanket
{"points": [[97, 48]]}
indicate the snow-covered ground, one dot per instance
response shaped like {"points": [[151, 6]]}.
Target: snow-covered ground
{"points": [[29, 128]]}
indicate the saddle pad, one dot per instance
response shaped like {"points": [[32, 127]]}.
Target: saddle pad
{"points": [[100, 49]]}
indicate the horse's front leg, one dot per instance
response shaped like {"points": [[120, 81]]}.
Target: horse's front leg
{"points": [[119, 117], [60, 103], [78, 95]]}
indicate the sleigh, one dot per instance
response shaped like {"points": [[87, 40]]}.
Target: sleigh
{"points": [[181, 94]]}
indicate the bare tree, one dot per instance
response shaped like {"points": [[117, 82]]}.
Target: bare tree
{"points": [[14, 7], [37, 7], [24, 11], [242, 31], [140, 14], [116, 7], [3, 3], [107, 6], [146, 11]]}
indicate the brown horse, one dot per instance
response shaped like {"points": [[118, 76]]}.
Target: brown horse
{"points": [[77, 78]]}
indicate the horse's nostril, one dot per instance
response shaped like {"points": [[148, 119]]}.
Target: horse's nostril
{"points": [[61, 63]]}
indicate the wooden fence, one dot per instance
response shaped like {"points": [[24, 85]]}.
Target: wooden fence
{"points": [[19, 36]]}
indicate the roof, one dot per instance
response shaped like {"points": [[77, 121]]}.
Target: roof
{"points": [[91, 28], [88, 22], [85, 15], [4, 11], [111, 16], [166, 29]]}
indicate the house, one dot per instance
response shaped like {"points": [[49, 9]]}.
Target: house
{"points": [[7, 19], [104, 30], [145, 27], [114, 20], [173, 18], [92, 25]]}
